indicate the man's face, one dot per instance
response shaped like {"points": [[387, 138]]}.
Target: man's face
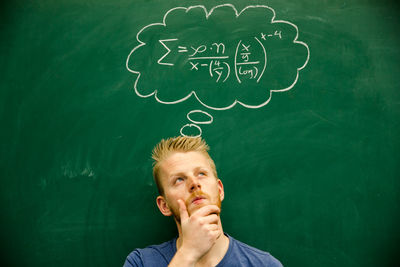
{"points": [[188, 176]]}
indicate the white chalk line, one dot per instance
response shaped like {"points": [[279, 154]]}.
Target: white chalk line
{"points": [[265, 58], [191, 125], [236, 51], [200, 122], [195, 122]]}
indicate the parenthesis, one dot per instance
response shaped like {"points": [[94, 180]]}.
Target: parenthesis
{"points": [[237, 48], [256, 72], [211, 62], [265, 58], [229, 71]]}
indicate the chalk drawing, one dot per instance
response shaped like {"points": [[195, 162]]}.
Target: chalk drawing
{"points": [[239, 61]]}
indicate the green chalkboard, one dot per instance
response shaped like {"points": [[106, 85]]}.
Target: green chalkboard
{"points": [[298, 100]]}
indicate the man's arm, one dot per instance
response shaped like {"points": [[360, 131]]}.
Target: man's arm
{"points": [[200, 231]]}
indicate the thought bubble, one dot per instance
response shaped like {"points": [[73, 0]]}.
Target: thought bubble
{"points": [[222, 57]]}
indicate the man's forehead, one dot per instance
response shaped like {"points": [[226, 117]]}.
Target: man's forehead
{"points": [[177, 161]]}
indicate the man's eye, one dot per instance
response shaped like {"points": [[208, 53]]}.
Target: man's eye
{"points": [[202, 173], [178, 180]]}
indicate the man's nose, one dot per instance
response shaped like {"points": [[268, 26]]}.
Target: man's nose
{"points": [[194, 184]]}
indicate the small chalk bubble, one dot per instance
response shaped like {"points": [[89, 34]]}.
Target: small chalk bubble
{"points": [[191, 130], [208, 120]]}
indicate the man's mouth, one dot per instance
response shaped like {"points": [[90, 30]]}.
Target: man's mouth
{"points": [[198, 200]]}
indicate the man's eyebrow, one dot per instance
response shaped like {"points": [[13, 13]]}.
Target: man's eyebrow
{"points": [[179, 173], [201, 168]]}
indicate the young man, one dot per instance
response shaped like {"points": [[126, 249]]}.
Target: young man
{"points": [[191, 192]]}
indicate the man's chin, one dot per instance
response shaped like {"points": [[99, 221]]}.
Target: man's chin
{"points": [[190, 209]]}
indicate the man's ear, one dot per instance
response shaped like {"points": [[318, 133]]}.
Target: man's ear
{"points": [[221, 190], [163, 206]]}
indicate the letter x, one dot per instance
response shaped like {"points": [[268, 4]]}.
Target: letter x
{"points": [[245, 47], [194, 66]]}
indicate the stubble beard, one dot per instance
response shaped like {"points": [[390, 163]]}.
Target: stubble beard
{"points": [[193, 208]]}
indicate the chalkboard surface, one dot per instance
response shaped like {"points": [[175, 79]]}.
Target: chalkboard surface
{"points": [[299, 102]]}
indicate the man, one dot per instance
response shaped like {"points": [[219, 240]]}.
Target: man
{"points": [[191, 192]]}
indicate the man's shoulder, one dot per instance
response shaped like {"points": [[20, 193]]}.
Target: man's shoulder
{"points": [[154, 255], [246, 255]]}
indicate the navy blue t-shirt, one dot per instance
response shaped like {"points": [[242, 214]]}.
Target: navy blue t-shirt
{"points": [[238, 254]]}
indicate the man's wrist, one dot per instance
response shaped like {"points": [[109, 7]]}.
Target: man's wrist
{"points": [[183, 258]]}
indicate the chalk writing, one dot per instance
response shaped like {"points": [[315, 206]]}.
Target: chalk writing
{"points": [[219, 58], [218, 64]]}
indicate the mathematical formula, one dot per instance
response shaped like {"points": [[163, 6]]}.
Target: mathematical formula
{"points": [[247, 62]]}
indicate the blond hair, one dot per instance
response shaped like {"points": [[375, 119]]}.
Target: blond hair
{"points": [[178, 144]]}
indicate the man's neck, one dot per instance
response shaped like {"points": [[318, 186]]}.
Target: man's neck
{"points": [[216, 253]]}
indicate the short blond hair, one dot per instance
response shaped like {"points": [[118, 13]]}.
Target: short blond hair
{"points": [[178, 144]]}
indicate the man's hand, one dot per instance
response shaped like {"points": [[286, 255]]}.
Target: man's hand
{"points": [[200, 231]]}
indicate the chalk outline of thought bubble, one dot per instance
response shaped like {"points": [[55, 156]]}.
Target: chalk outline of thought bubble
{"points": [[187, 9]]}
